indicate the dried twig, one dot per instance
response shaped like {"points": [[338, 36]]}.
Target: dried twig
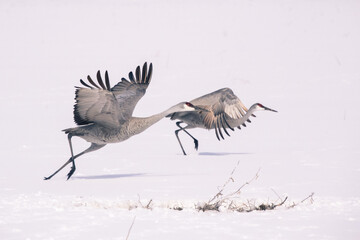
{"points": [[231, 179], [219, 198], [147, 206], [132, 224], [308, 197], [276, 194], [271, 206], [242, 186]]}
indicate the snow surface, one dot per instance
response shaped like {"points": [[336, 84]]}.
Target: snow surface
{"points": [[301, 58]]}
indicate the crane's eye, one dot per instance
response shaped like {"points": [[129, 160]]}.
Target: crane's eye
{"points": [[260, 105], [189, 104]]}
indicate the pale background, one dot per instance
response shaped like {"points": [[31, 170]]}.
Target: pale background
{"points": [[301, 58]]}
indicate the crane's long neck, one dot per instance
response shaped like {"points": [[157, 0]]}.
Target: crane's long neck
{"points": [[237, 122], [140, 124]]}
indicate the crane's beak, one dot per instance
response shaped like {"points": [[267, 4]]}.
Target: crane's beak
{"points": [[269, 109]]}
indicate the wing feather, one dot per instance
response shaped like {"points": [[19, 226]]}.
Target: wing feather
{"points": [[222, 124], [107, 81], [106, 106], [128, 93], [223, 105], [85, 84], [149, 75], [131, 77], [221, 102], [100, 81], [138, 75], [144, 73], [92, 82], [219, 127], [96, 106]]}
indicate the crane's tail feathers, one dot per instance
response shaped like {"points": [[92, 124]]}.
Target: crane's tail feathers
{"points": [[170, 116], [69, 130], [77, 131]]}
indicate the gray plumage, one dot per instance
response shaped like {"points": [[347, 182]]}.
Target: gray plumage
{"points": [[224, 111], [104, 114]]}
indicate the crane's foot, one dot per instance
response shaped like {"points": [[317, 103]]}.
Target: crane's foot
{"points": [[73, 168], [47, 178], [183, 150], [196, 142]]}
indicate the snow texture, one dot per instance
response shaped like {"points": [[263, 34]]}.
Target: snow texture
{"points": [[301, 58]]}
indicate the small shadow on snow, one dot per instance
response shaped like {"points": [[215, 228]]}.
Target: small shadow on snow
{"points": [[111, 176], [221, 153]]}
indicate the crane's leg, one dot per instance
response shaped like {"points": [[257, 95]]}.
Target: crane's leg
{"points": [[93, 147], [177, 136], [196, 142], [73, 168]]}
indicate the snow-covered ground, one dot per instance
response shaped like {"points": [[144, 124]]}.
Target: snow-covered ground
{"points": [[301, 58]]}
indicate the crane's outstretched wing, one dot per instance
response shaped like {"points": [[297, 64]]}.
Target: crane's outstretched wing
{"points": [[128, 93], [223, 105], [107, 106]]}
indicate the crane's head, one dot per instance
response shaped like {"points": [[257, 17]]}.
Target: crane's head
{"points": [[260, 107], [191, 107], [187, 107]]}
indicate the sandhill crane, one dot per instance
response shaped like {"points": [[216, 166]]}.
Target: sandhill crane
{"points": [[104, 114], [225, 110]]}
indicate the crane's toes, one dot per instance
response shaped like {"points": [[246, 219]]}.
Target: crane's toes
{"points": [[47, 178], [196, 142], [71, 172]]}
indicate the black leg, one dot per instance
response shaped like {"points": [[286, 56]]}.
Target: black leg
{"points": [[177, 136], [196, 142], [49, 177], [73, 167], [93, 147]]}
